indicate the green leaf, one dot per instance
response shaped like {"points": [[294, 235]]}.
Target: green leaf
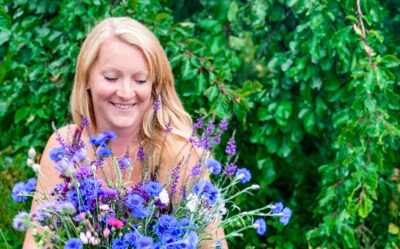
{"points": [[340, 118], [370, 104], [309, 122], [272, 144], [366, 207], [393, 229], [391, 61], [211, 93], [21, 114], [232, 11]]}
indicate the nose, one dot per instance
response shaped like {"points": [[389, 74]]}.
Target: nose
{"points": [[126, 89]]}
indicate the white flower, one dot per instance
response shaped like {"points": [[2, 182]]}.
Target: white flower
{"points": [[83, 238], [164, 197], [36, 167], [31, 153], [30, 162], [192, 203], [69, 172], [255, 186], [93, 168], [104, 207]]}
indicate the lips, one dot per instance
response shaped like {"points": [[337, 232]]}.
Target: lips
{"points": [[123, 106]]}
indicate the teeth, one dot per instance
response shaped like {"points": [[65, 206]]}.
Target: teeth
{"points": [[123, 106]]}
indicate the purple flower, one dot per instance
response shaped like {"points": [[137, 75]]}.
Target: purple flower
{"points": [[141, 155], [19, 192], [153, 188], [79, 154], [196, 170], [218, 245], [124, 162], [83, 172], [214, 166], [57, 153], [199, 123], [85, 121], [208, 190], [168, 128], [104, 152], [110, 193], [209, 130], [223, 125], [64, 165], [230, 169], [73, 244], [144, 243], [216, 139], [278, 207], [243, 174], [19, 221], [231, 147], [286, 214], [157, 103], [119, 244], [260, 226]]}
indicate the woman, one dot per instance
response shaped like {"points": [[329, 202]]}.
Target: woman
{"points": [[121, 71]]}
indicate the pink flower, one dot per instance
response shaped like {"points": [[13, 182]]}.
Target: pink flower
{"points": [[115, 223], [106, 232]]}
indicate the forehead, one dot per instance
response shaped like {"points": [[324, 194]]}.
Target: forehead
{"points": [[115, 52]]}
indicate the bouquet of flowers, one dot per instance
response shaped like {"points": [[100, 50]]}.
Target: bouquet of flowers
{"points": [[86, 212]]}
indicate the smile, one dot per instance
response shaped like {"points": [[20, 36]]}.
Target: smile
{"points": [[123, 106]]}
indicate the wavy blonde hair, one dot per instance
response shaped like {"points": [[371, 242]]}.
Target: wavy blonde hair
{"points": [[171, 111]]}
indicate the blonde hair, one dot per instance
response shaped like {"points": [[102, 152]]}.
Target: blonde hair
{"points": [[171, 111]]}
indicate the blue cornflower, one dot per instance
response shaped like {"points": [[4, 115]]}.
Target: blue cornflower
{"points": [[144, 243], [19, 192], [134, 200], [184, 225], [30, 185], [243, 174], [57, 153], [104, 152], [231, 147], [154, 188], [278, 207], [286, 214], [208, 190], [19, 221], [131, 237], [102, 139], [73, 244], [260, 226], [140, 212], [192, 240], [214, 166], [165, 223], [218, 245], [119, 244]]}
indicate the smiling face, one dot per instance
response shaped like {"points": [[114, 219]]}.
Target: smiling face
{"points": [[120, 86]]}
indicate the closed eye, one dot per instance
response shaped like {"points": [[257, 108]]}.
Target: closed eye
{"points": [[111, 79], [141, 81]]}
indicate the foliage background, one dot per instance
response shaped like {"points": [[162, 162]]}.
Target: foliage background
{"points": [[314, 100]]}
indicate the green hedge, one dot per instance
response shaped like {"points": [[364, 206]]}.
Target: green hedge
{"points": [[312, 87]]}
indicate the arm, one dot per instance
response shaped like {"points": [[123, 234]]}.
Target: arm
{"points": [[46, 180]]}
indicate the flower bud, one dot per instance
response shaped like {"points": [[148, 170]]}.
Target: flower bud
{"points": [[106, 232], [36, 167], [255, 186], [30, 162], [31, 153]]}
